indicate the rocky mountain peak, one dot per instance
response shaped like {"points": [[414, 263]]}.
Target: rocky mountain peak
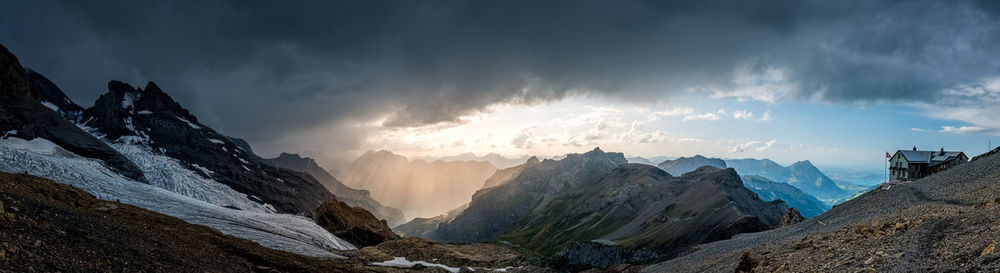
{"points": [[802, 164], [54, 98], [12, 77], [533, 160], [284, 155]]}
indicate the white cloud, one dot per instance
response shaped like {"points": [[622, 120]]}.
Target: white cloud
{"points": [[962, 129], [767, 116], [674, 112], [754, 145], [769, 84], [705, 116], [977, 103], [742, 114], [739, 148], [767, 145], [918, 129]]}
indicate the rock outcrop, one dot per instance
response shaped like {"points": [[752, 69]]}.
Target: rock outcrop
{"points": [[354, 224], [791, 217]]}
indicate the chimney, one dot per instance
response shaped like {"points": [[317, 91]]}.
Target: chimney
{"points": [[914, 147], [942, 151]]}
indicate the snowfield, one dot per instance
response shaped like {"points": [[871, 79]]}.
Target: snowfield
{"points": [[168, 173], [401, 262], [252, 221]]}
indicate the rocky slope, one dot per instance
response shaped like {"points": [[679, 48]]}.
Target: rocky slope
{"points": [[149, 118], [419, 188], [638, 213], [802, 175], [769, 190], [945, 222], [495, 210], [353, 197], [683, 165], [353, 224]]}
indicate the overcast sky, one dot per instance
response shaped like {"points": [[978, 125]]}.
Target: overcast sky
{"points": [[835, 82]]}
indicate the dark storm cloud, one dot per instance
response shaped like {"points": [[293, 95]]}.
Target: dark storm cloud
{"points": [[244, 66]]}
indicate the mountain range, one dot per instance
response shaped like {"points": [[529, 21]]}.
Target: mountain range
{"points": [[684, 165], [768, 190], [497, 160], [802, 175], [595, 210]]}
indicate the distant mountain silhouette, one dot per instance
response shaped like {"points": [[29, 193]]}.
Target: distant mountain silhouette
{"points": [[683, 165]]}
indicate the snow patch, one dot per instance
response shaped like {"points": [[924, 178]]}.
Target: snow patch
{"points": [[50, 105], [9, 133], [216, 141], [144, 112], [243, 160], [132, 139], [128, 124], [225, 150], [128, 100], [285, 232], [37, 145], [245, 167], [207, 172], [401, 262], [189, 123], [270, 207]]}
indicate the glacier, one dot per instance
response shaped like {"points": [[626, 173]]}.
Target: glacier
{"points": [[252, 221]]}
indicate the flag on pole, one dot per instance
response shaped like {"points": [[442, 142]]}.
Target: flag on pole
{"points": [[887, 155]]}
